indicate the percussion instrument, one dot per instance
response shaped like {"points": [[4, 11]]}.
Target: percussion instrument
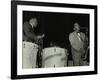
{"points": [[29, 55], [54, 57]]}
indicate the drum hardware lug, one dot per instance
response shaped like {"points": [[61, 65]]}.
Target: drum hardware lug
{"points": [[24, 45]]}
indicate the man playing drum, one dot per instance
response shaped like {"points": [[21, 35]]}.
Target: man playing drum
{"points": [[30, 48]]}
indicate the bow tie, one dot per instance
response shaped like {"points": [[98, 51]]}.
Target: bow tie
{"points": [[78, 32]]}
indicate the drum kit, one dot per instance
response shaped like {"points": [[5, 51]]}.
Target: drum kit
{"points": [[44, 57]]}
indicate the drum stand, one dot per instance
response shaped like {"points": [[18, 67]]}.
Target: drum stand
{"points": [[39, 56]]}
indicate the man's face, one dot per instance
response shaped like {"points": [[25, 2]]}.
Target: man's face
{"points": [[77, 27], [34, 22]]}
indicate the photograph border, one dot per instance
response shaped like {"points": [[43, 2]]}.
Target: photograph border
{"points": [[14, 39]]}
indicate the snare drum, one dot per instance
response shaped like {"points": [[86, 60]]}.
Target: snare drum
{"points": [[54, 57], [29, 55]]}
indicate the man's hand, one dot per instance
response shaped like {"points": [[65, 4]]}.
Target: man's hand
{"points": [[43, 35], [40, 37]]}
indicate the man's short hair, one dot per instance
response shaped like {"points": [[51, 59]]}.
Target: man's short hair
{"points": [[32, 19]]}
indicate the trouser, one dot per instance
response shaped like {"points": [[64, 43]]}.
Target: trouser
{"points": [[29, 55], [77, 57]]}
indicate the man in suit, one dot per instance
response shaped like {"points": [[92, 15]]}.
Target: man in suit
{"points": [[77, 41], [30, 48]]}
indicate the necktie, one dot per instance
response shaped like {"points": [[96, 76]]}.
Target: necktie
{"points": [[79, 37]]}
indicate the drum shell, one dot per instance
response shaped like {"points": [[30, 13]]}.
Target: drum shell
{"points": [[29, 55], [54, 57]]}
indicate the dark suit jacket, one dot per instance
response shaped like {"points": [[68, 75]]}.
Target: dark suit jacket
{"points": [[28, 33]]}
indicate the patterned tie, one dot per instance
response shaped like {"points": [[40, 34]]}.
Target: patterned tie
{"points": [[79, 37]]}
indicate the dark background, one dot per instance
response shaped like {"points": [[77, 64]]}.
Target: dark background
{"points": [[57, 26]]}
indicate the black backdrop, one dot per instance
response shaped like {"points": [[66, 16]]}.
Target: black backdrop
{"points": [[57, 26]]}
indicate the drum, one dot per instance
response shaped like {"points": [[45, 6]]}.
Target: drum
{"points": [[54, 57], [29, 55]]}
